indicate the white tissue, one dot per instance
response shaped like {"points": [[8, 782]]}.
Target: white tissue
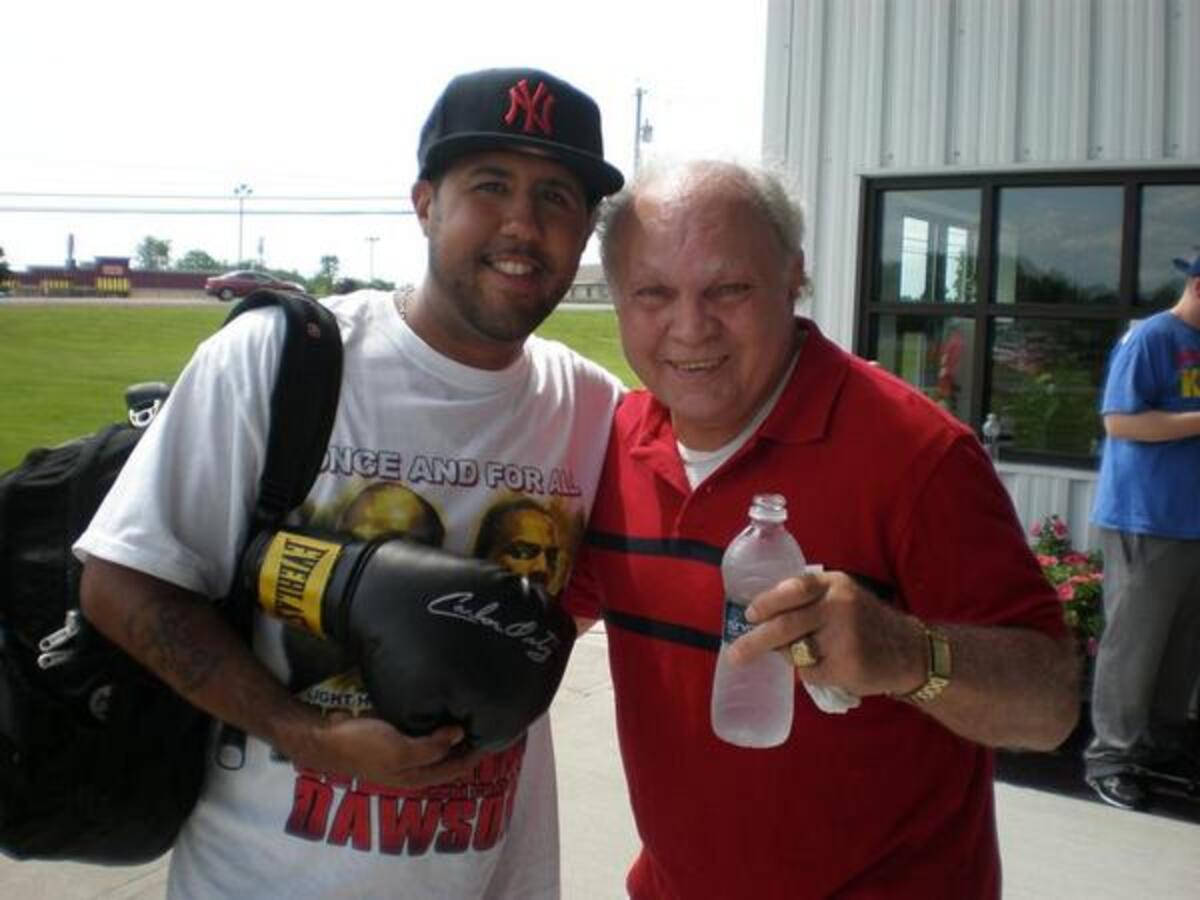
{"points": [[831, 699], [827, 697]]}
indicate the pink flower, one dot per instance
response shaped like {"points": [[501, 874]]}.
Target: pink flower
{"points": [[1076, 559], [1066, 591], [1036, 530], [1044, 560], [1059, 526], [1093, 646]]}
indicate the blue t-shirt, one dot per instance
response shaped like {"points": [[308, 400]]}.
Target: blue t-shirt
{"points": [[1152, 487]]}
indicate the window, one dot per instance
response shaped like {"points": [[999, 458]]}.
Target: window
{"points": [[927, 254], [1058, 245], [1170, 221], [932, 353], [1006, 293]]}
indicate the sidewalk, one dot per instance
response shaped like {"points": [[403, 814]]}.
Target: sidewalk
{"points": [[1054, 847]]}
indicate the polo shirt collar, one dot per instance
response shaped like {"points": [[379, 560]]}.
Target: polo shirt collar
{"points": [[801, 414], [805, 407]]}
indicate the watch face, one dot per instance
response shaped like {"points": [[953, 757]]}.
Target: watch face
{"points": [[939, 656], [938, 667]]}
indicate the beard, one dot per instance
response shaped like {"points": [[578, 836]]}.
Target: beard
{"points": [[489, 312]]}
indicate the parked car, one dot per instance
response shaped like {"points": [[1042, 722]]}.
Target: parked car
{"points": [[243, 281]]}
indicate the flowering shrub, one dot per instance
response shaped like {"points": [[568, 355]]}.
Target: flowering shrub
{"points": [[1076, 576]]}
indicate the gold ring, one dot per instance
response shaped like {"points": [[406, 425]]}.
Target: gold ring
{"points": [[803, 656]]}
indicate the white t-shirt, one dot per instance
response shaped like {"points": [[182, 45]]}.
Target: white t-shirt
{"points": [[435, 445]]}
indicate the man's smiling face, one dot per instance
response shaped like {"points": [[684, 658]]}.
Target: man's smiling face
{"points": [[705, 302], [505, 231]]}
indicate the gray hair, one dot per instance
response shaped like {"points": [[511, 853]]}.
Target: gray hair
{"points": [[764, 189]]}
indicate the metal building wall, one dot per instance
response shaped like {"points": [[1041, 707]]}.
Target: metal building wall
{"points": [[869, 87], [857, 87]]}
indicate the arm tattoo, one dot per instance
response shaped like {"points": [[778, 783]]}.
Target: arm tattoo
{"points": [[165, 639]]}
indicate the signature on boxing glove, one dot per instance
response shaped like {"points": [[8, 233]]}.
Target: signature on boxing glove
{"points": [[465, 605]]}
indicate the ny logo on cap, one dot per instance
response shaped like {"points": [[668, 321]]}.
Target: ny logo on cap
{"points": [[536, 108]]}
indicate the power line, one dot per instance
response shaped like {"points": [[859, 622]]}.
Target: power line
{"points": [[125, 210], [318, 198]]}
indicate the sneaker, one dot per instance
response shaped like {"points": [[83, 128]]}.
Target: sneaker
{"points": [[1121, 790]]}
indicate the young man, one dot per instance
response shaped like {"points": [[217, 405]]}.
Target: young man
{"points": [[1148, 666], [931, 607], [329, 803]]}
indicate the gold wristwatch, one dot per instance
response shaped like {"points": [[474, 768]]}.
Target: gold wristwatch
{"points": [[937, 666]]}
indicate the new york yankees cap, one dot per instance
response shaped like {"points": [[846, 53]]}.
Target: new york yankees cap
{"points": [[497, 108]]}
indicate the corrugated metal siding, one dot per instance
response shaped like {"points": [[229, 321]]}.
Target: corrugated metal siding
{"points": [[858, 87], [1039, 491], [871, 86]]}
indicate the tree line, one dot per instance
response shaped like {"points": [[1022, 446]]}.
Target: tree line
{"points": [[154, 254]]}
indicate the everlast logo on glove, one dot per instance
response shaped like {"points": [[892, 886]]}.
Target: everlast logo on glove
{"points": [[440, 639], [295, 571]]}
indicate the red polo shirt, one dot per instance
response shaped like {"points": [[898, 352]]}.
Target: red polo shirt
{"points": [[882, 801]]}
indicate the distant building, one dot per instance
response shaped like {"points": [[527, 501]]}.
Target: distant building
{"points": [[589, 286], [106, 276], [111, 276]]}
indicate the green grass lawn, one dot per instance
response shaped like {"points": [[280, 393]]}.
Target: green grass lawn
{"points": [[64, 369]]}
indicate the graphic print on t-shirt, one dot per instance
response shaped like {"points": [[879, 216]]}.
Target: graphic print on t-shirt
{"points": [[470, 814], [1188, 362], [434, 469], [532, 536]]}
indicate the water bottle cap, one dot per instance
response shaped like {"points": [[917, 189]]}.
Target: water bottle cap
{"points": [[769, 508]]}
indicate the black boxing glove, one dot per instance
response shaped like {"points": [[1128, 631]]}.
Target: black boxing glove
{"points": [[440, 639]]}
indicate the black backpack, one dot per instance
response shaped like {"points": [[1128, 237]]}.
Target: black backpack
{"points": [[99, 760]]}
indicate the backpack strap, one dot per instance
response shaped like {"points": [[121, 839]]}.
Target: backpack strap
{"points": [[303, 403], [303, 407]]}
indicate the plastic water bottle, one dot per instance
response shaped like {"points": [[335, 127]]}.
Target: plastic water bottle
{"points": [[752, 704]]}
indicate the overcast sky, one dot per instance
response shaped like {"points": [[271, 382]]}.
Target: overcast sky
{"points": [[322, 99]]}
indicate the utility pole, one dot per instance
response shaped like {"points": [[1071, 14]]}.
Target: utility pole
{"points": [[241, 191], [371, 241], [642, 132]]}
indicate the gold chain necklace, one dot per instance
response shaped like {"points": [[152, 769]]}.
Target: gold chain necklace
{"points": [[403, 295]]}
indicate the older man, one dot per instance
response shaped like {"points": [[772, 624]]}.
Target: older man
{"points": [[931, 607]]}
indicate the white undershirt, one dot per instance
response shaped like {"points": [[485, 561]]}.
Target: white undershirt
{"points": [[699, 464]]}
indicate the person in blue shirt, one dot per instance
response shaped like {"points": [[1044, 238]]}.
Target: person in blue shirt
{"points": [[1147, 508]]}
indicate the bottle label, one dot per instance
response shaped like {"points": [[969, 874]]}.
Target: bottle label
{"points": [[735, 621]]}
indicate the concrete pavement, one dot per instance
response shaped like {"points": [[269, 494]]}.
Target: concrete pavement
{"points": [[1054, 847]]}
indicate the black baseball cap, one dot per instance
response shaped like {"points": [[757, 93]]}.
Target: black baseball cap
{"points": [[494, 109]]}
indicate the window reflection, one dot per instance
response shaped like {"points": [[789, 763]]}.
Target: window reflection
{"points": [[932, 353], [1059, 245], [1055, 300], [1170, 225], [928, 247], [1047, 375]]}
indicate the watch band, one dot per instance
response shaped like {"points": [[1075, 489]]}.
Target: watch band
{"points": [[937, 666]]}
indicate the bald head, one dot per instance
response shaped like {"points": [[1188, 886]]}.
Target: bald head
{"points": [[701, 182], [705, 265]]}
